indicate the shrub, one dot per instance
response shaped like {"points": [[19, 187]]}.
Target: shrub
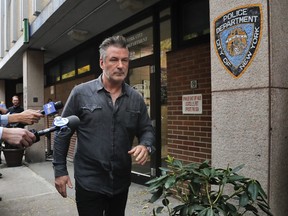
{"points": [[207, 191]]}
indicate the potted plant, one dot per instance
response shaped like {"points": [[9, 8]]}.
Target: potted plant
{"points": [[13, 155], [207, 191]]}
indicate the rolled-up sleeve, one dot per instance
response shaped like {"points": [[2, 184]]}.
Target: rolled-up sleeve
{"points": [[3, 120]]}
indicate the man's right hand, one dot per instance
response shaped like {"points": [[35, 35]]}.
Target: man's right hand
{"points": [[27, 117], [60, 184]]}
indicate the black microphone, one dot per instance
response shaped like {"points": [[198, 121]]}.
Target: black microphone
{"points": [[59, 123], [51, 108]]}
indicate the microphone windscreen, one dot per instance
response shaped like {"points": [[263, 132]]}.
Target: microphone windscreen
{"points": [[73, 121], [58, 105]]}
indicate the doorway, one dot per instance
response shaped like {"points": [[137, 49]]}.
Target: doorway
{"points": [[149, 39]]}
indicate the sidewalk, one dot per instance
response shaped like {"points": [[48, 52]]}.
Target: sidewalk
{"points": [[29, 190]]}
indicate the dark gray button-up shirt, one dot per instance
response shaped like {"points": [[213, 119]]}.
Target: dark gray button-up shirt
{"points": [[104, 136]]}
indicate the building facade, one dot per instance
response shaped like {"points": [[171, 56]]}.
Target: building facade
{"points": [[212, 74]]}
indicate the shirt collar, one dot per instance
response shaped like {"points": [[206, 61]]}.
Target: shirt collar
{"points": [[99, 86]]}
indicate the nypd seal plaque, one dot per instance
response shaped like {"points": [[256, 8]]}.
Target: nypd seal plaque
{"points": [[237, 35]]}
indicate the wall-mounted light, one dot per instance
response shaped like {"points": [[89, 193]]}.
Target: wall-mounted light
{"points": [[78, 35], [132, 5]]}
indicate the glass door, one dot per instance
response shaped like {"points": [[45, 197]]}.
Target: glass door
{"points": [[139, 79]]}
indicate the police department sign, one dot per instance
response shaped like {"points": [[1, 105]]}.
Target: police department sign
{"points": [[237, 35]]}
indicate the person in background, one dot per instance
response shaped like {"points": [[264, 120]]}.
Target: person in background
{"points": [[15, 108], [111, 114]]}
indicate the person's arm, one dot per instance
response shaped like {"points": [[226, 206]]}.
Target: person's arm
{"points": [[60, 151], [146, 137], [27, 117], [62, 140]]}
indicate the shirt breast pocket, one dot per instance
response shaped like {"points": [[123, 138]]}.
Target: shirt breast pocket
{"points": [[91, 112], [131, 118]]}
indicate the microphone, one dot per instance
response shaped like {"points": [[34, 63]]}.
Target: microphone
{"points": [[59, 123], [51, 108]]}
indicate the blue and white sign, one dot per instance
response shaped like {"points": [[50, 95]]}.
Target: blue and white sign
{"points": [[237, 36]]}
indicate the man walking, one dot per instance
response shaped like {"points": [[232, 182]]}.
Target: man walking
{"points": [[111, 113]]}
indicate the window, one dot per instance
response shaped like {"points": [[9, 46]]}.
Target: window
{"points": [[195, 19], [53, 74], [190, 23], [68, 68], [83, 61], [140, 38]]}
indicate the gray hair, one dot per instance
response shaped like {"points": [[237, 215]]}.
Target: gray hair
{"points": [[116, 41]]}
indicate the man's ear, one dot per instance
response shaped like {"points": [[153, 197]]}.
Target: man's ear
{"points": [[101, 62]]}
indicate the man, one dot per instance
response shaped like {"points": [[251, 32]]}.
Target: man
{"points": [[111, 114], [16, 108]]}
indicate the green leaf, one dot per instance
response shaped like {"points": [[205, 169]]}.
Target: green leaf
{"points": [[165, 169], [205, 164], [224, 180], [156, 196], [184, 211], [203, 212], [231, 207], [159, 209], [156, 179], [236, 169], [178, 208], [260, 189], [177, 163], [235, 178], [191, 210], [222, 212], [165, 202], [206, 172], [210, 212], [244, 199], [253, 190], [170, 182]]}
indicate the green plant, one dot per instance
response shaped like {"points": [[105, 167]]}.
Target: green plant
{"points": [[206, 191]]}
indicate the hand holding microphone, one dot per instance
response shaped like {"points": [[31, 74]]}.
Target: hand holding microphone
{"points": [[27, 117], [59, 124]]}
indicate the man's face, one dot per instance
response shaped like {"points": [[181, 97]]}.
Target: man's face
{"points": [[15, 101], [115, 65]]}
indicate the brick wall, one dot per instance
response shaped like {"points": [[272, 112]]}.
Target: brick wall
{"points": [[189, 136]]}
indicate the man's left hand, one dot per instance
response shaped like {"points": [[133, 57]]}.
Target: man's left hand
{"points": [[141, 153]]}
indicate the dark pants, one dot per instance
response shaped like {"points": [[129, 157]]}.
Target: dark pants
{"points": [[96, 204]]}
